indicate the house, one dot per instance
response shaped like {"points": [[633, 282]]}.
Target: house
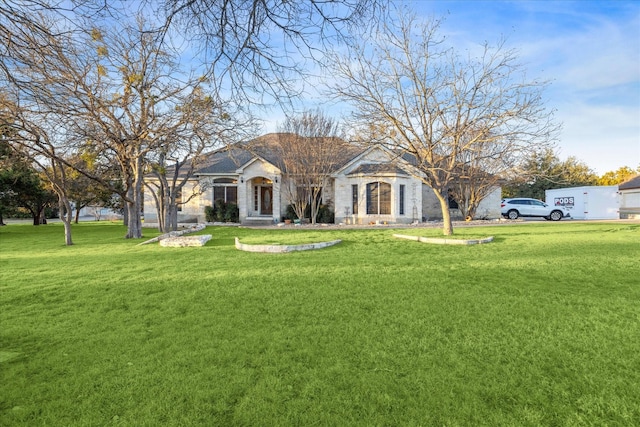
{"points": [[368, 185], [630, 198]]}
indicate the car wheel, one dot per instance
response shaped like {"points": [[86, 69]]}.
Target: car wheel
{"points": [[513, 214], [555, 216]]}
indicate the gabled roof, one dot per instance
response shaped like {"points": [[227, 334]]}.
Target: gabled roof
{"points": [[396, 164], [378, 168], [229, 159], [224, 161], [632, 183]]}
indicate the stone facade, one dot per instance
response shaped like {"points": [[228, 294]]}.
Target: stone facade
{"points": [[372, 187]]}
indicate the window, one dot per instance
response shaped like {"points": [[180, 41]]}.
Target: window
{"points": [[453, 203], [378, 198], [354, 199], [225, 189], [256, 200], [401, 197]]}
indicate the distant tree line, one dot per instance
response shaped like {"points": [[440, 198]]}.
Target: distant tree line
{"points": [[546, 171]]}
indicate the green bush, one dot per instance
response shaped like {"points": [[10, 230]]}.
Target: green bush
{"points": [[209, 213], [289, 213], [222, 212], [231, 213], [325, 215]]}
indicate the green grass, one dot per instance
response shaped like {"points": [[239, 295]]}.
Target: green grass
{"points": [[539, 327]]}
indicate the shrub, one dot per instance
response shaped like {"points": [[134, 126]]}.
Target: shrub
{"points": [[231, 213], [289, 213], [325, 215], [209, 213], [222, 212]]}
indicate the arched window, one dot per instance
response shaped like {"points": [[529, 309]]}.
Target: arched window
{"points": [[378, 198], [225, 189]]}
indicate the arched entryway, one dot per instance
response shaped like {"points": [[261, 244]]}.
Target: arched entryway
{"points": [[262, 190]]}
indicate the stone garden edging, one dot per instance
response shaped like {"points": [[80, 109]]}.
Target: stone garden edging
{"points": [[184, 241], [275, 248], [172, 234], [444, 241]]}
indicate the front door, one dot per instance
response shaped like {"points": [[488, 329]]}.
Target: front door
{"points": [[266, 200]]}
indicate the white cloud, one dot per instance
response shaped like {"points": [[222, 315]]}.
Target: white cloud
{"points": [[606, 54], [605, 138], [590, 51]]}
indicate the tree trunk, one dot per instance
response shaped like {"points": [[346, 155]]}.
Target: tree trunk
{"points": [[38, 215], [66, 216], [172, 223], [67, 233], [134, 222], [447, 226], [314, 209], [132, 213], [134, 203], [161, 212]]}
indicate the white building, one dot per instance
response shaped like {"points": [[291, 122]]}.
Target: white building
{"points": [[630, 198], [368, 185], [589, 202]]}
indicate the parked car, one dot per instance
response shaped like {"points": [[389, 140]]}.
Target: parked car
{"points": [[515, 208]]}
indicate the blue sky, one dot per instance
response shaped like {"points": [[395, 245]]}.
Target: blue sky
{"points": [[589, 50]]}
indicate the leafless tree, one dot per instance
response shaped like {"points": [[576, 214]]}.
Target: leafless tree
{"points": [[444, 110], [37, 140], [117, 85], [261, 46], [122, 91], [310, 146], [207, 123], [480, 171]]}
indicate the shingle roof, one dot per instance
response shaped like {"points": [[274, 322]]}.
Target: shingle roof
{"points": [[228, 160], [225, 161], [632, 183], [377, 168]]}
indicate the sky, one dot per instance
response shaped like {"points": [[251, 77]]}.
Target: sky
{"points": [[588, 50]]}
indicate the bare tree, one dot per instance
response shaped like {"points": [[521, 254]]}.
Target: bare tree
{"points": [[37, 140], [443, 110], [116, 85], [259, 46], [310, 147], [122, 90], [480, 171], [207, 122]]}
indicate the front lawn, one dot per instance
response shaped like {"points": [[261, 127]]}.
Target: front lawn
{"points": [[539, 327]]}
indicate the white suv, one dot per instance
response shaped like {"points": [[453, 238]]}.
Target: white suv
{"points": [[515, 208]]}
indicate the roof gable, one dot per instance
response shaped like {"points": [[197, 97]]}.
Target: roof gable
{"points": [[376, 160], [265, 148], [632, 183]]}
